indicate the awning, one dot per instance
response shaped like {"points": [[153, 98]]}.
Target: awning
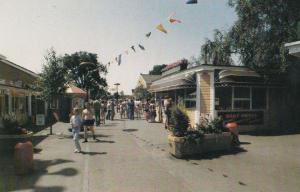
{"points": [[180, 81]]}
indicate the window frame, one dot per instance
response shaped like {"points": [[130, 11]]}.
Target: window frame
{"points": [[250, 99]]}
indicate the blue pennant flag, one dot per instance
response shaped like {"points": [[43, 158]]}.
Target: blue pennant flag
{"points": [[191, 2], [119, 59]]}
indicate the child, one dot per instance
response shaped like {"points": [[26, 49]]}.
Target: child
{"points": [[75, 122]]}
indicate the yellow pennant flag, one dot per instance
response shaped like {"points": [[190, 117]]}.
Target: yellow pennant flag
{"points": [[161, 28]]}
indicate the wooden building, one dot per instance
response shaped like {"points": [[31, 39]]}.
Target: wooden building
{"points": [[16, 92], [233, 92]]}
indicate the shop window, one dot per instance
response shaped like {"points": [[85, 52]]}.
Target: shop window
{"points": [[241, 98], [258, 98], [223, 98], [190, 100], [241, 93]]}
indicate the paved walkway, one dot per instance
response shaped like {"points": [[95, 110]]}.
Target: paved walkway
{"points": [[132, 156]]}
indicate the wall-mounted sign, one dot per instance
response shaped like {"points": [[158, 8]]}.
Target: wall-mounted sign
{"points": [[40, 119], [243, 117]]}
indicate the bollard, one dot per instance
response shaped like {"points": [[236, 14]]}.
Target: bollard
{"points": [[23, 158]]}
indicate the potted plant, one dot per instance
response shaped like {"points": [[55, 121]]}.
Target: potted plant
{"points": [[207, 137]]}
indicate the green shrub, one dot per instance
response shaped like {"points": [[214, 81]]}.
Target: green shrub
{"points": [[179, 121], [212, 126]]}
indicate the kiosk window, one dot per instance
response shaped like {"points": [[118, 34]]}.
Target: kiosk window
{"points": [[241, 98], [223, 98]]}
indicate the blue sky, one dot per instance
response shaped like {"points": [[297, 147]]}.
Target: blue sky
{"points": [[108, 28]]}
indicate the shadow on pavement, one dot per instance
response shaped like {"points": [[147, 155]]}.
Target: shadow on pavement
{"points": [[93, 153], [11, 182], [215, 155], [103, 141], [130, 130]]}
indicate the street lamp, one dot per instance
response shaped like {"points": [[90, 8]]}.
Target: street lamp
{"points": [[87, 66]]}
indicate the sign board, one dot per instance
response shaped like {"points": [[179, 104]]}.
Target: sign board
{"points": [[243, 117], [40, 119]]}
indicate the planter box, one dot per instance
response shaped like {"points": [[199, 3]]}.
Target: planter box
{"points": [[209, 143], [8, 142]]}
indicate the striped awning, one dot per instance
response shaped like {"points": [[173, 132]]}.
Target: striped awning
{"points": [[180, 81]]}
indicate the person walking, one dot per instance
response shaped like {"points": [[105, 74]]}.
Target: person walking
{"points": [[97, 111], [75, 122], [113, 107], [167, 111], [108, 116], [131, 109], [88, 121], [102, 112]]}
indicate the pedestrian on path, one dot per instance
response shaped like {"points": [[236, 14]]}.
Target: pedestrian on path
{"points": [[109, 110], [167, 111], [75, 122], [97, 112], [88, 121], [103, 110]]}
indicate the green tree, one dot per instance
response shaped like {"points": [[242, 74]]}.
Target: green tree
{"points": [[53, 77], [262, 28], [141, 93], [217, 51], [156, 70], [90, 77]]}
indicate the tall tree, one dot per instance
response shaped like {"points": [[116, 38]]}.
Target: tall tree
{"points": [[262, 28], [86, 77], [53, 77], [156, 70], [217, 51]]}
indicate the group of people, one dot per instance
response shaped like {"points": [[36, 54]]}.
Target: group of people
{"points": [[98, 112]]}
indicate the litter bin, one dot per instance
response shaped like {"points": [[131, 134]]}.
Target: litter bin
{"points": [[23, 158]]}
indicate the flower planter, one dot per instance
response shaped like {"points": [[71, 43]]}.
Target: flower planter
{"points": [[180, 148], [8, 142]]}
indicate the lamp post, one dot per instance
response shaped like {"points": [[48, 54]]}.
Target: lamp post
{"points": [[87, 66]]}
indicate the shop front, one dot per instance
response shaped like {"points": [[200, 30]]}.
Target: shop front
{"points": [[230, 92], [16, 92]]}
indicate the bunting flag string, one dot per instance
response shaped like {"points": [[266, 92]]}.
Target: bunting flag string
{"points": [[171, 19], [161, 28]]}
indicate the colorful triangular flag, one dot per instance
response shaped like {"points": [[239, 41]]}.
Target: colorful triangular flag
{"points": [[148, 34], [191, 2], [161, 28], [172, 19], [142, 47], [132, 47]]}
